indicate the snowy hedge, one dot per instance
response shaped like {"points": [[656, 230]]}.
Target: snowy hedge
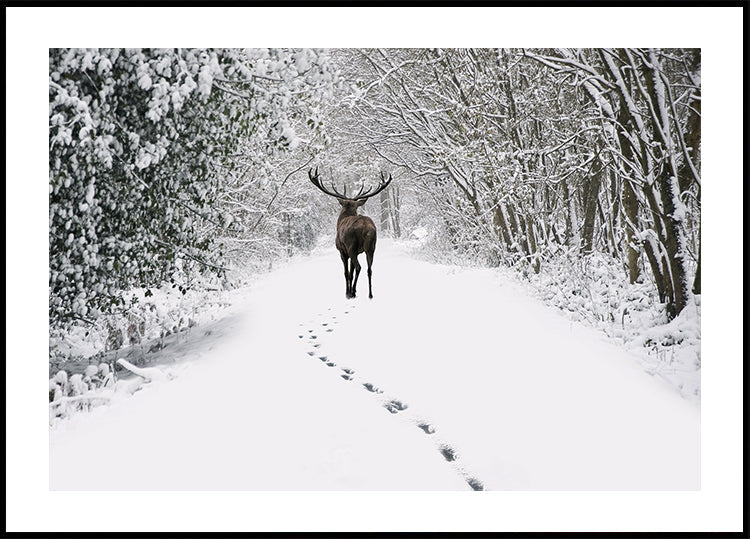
{"points": [[136, 140]]}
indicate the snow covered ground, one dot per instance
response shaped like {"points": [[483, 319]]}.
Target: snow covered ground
{"points": [[449, 379]]}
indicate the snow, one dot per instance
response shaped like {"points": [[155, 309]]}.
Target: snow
{"points": [[591, 290], [480, 386]]}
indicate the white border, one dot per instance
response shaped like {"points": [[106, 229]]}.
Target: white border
{"points": [[32, 507]]}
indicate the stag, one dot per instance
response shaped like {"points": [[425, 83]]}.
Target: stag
{"points": [[355, 233]]}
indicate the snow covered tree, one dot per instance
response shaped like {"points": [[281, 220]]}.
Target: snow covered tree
{"points": [[136, 140], [480, 119], [649, 104], [533, 155]]}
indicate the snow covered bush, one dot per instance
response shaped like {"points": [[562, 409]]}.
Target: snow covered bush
{"points": [[96, 386], [147, 314], [68, 394], [139, 143]]}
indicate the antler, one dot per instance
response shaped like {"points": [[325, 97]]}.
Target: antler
{"points": [[382, 185], [362, 194], [315, 179]]}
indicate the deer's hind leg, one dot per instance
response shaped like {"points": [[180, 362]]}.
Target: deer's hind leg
{"points": [[369, 269], [347, 274], [356, 268]]}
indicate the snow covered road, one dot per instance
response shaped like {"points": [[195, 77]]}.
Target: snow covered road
{"points": [[449, 379]]}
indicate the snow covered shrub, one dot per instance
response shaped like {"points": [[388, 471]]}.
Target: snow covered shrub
{"points": [[79, 391], [147, 314], [128, 166], [137, 142]]}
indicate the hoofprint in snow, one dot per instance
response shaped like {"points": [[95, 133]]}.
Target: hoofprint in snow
{"points": [[449, 379]]}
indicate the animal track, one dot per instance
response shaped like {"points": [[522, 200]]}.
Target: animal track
{"points": [[371, 388], [475, 484], [395, 406], [448, 452]]}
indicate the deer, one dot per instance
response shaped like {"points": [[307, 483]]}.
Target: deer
{"points": [[355, 233]]}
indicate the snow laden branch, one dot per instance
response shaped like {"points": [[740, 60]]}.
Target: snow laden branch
{"points": [[150, 374]]}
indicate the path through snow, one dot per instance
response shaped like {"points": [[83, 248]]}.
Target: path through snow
{"points": [[449, 379]]}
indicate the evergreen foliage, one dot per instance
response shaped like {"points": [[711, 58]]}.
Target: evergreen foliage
{"points": [[136, 139]]}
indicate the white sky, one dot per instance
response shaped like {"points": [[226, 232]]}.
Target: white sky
{"points": [[29, 34]]}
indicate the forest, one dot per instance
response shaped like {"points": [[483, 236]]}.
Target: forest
{"points": [[185, 171]]}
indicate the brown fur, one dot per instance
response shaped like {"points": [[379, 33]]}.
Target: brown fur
{"points": [[355, 234]]}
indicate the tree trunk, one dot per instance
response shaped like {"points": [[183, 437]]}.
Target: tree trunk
{"points": [[697, 280], [674, 245], [501, 227], [692, 139], [396, 211], [629, 198], [567, 206], [591, 196], [630, 209], [515, 239], [669, 189], [661, 278], [536, 263], [384, 210], [523, 235]]}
